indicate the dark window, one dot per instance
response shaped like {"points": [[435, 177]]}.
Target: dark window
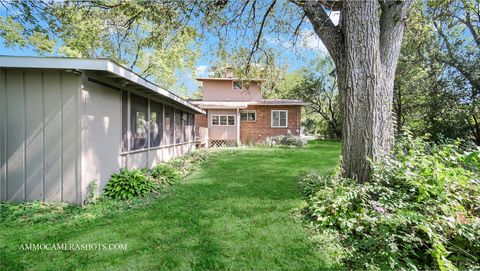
{"points": [[237, 85], [156, 124], [231, 120], [124, 121], [215, 120], [138, 122], [248, 115], [279, 118], [223, 120], [169, 124]]}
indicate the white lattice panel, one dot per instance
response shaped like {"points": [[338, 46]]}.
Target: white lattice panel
{"points": [[217, 143]]}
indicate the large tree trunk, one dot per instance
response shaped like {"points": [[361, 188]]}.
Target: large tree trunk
{"points": [[365, 48]]}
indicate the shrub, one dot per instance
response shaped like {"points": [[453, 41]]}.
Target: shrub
{"points": [[284, 140], [419, 211], [129, 183], [164, 174], [186, 163]]}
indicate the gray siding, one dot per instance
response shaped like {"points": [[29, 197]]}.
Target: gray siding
{"points": [[59, 132], [101, 134], [15, 134], [40, 119], [3, 145], [34, 131]]}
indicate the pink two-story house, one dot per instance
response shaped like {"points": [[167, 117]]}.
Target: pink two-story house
{"points": [[238, 115]]}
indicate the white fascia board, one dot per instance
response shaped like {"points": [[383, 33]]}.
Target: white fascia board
{"points": [[101, 64], [220, 105], [52, 63], [278, 103]]}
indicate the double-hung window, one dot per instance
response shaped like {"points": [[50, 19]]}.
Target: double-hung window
{"points": [[279, 118], [248, 116], [223, 120]]}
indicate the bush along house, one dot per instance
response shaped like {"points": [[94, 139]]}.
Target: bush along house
{"points": [[67, 122], [238, 115]]}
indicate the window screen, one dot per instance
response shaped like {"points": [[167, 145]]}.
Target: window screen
{"points": [[124, 121], [178, 126], [156, 124], [191, 124], [138, 122], [169, 125], [184, 126]]}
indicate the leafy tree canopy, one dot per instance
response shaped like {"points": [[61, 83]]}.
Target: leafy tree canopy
{"points": [[151, 37]]}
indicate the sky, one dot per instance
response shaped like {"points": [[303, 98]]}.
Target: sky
{"points": [[308, 48]]}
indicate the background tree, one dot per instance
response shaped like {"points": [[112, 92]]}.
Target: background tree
{"points": [[316, 85], [261, 66], [364, 46], [458, 26], [149, 37], [432, 96]]}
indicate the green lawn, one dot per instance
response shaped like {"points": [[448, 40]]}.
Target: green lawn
{"points": [[236, 213]]}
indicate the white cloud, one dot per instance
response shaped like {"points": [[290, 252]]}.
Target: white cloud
{"points": [[202, 70], [309, 40], [335, 17]]}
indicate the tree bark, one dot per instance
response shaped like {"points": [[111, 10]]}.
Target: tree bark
{"points": [[365, 48]]}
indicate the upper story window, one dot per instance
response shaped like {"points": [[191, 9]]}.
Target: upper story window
{"points": [[279, 118], [223, 120], [248, 115], [237, 85]]}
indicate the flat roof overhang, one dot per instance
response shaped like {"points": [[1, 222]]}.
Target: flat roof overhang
{"points": [[113, 69], [228, 79], [220, 105], [243, 105]]}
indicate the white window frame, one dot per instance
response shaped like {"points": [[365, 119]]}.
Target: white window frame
{"points": [[248, 111], [222, 115], [286, 119]]}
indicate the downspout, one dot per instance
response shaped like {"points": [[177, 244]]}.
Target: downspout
{"points": [[238, 128]]}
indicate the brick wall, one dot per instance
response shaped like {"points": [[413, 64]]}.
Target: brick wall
{"points": [[258, 131]]}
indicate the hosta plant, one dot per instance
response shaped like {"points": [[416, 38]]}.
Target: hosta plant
{"points": [[129, 183]]}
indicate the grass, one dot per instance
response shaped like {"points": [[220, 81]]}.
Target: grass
{"points": [[235, 213]]}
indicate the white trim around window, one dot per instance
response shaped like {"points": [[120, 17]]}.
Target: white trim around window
{"points": [[222, 120], [276, 122]]}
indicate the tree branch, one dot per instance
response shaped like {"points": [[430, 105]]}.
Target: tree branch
{"points": [[392, 25], [256, 44], [323, 26]]}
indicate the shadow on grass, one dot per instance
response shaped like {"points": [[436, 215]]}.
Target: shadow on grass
{"points": [[234, 213]]}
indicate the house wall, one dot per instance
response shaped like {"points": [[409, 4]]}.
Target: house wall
{"points": [[222, 90], [102, 135], [258, 131], [222, 132], [59, 132], [39, 135]]}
